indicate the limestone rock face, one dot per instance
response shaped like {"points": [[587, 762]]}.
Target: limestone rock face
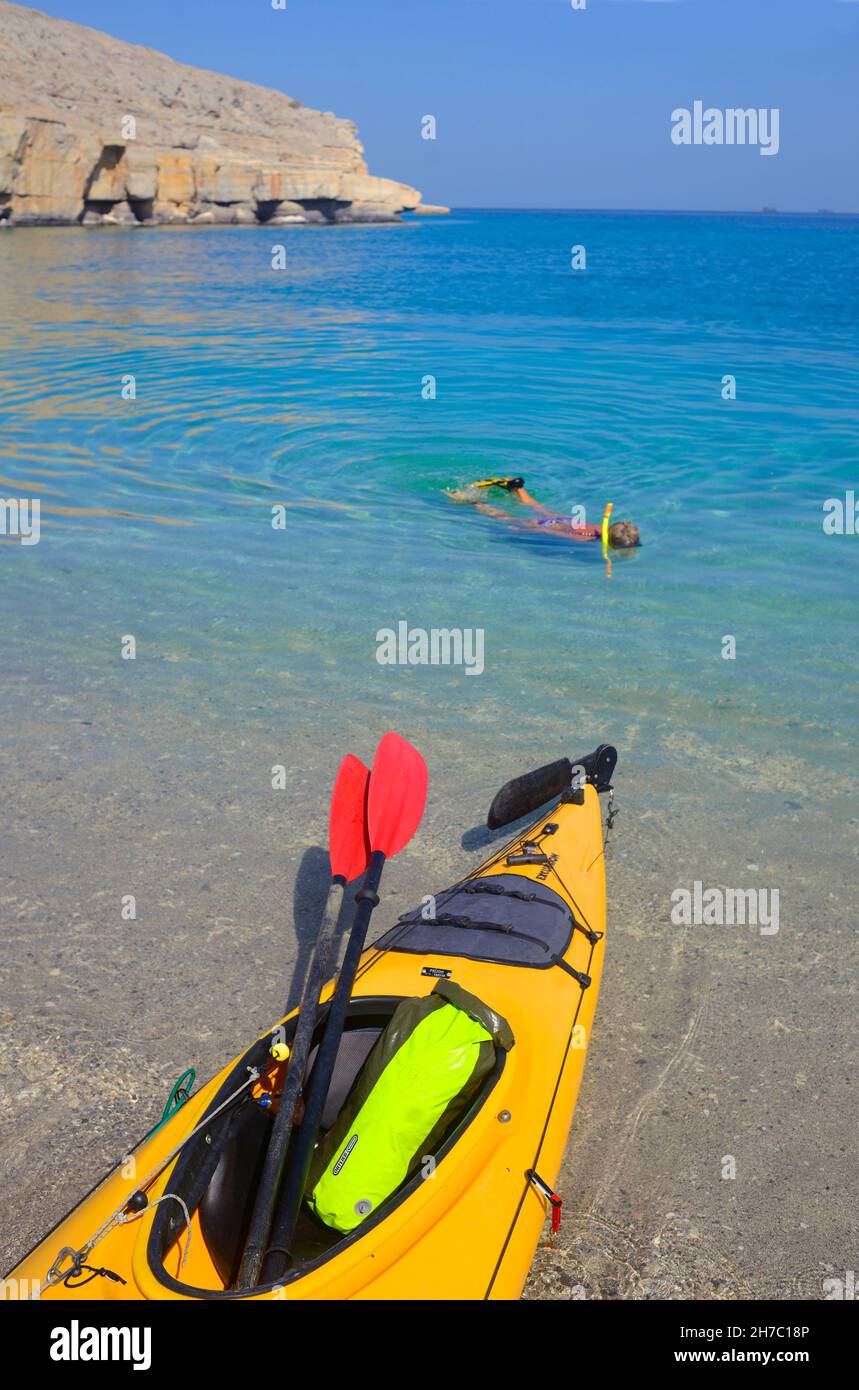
{"points": [[100, 132]]}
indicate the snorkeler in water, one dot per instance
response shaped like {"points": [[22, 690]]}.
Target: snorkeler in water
{"points": [[619, 535]]}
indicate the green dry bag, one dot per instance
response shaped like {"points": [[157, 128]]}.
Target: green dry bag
{"points": [[419, 1079]]}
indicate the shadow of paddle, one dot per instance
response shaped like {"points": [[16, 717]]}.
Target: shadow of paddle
{"points": [[308, 904]]}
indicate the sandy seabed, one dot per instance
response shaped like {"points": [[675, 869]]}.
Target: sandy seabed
{"points": [[709, 1041]]}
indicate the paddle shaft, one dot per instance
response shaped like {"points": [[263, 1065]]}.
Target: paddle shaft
{"points": [[259, 1229], [277, 1258]]}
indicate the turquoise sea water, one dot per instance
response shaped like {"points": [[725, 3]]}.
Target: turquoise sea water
{"points": [[302, 386], [257, 647]]}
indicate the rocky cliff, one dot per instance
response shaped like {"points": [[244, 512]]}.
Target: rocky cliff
{"points": [[96, 131]]}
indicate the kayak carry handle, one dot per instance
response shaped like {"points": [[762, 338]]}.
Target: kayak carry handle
{"points": [[532, 790]]}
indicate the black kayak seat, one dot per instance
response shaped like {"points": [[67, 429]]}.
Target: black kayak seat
{"points": [[225, 1208], [355, 1046]]}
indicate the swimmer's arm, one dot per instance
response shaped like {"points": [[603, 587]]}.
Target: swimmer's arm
{"points": [[491, 511], [518, 523]]}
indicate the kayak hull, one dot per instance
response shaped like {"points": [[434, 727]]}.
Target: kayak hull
{"points": [[468, 1230]]}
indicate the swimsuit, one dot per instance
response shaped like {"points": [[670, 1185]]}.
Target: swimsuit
{"points": [[579, 533]]}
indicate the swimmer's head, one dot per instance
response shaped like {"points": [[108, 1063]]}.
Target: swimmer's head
{"points": [[623, 534]]}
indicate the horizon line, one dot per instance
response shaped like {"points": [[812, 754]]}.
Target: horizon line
{"points": [[686, 212]]}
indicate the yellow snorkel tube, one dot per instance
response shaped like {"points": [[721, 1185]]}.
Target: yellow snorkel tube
{"points": [[606, 522]]}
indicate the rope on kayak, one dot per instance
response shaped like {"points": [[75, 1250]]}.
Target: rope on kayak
{"points": [[533, 1169], [180, 1092], [532, 1172], [546, 1190], [121, 1218], [92, 1273], [122, 1215], [498, 891], [125, 1217], [462, 885], [466, 883], [483, 886], [448, 919], [528, 837]]}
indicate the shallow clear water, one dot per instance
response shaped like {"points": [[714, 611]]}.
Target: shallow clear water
{"points": [[302, 386], [257, 647]]}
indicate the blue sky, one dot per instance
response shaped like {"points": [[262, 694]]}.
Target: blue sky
{"points": [[539, 105]]}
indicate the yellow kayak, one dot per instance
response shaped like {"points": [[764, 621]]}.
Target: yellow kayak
{"points": [[524, 934]]}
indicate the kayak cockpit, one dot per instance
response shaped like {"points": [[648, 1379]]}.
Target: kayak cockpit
{"points": [[216, 1175]]}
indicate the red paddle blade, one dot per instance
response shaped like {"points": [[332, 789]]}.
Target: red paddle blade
{"points": [[398, 793], [348, 845]]}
